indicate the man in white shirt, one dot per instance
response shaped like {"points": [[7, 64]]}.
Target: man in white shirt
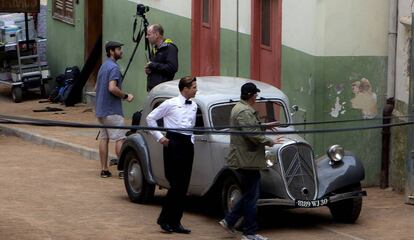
{"points": [[177, 112]]}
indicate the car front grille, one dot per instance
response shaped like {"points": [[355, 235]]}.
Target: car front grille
{"points": [[298, 171]]}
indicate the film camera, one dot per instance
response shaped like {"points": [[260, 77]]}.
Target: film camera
{"points": [[142, 9]]}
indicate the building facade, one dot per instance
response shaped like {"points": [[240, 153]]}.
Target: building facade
{"points": [[329, 56]]}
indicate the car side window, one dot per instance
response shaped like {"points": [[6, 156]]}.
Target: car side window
{"points": [[220, 116]]}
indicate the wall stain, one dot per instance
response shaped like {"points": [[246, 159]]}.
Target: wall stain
{"points": [[364, 98]]}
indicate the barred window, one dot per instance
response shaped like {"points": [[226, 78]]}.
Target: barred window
{"points": [[64, 10]]}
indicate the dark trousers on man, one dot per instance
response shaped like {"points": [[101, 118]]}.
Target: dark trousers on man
{"points": [[246, 206], [178, 163]]}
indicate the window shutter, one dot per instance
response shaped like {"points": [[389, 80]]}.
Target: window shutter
{"points": [[64, 10], [69, 13]]}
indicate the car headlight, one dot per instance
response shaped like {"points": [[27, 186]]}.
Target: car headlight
{"points": [[336, 154], [270, 158]]}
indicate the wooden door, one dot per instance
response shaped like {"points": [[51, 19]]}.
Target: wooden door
{"points": [[205, 49], [266, 41]]}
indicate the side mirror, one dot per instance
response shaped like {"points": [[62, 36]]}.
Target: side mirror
{"points": [[295, 108]]}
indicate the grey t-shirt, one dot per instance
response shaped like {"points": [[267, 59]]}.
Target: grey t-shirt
{"points": [[107, 103]]}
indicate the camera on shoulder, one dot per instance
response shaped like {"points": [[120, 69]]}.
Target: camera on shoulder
{"points": [[142, 9]]}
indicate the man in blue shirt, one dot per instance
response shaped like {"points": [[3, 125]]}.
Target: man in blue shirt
{"points": [[108, 106]]}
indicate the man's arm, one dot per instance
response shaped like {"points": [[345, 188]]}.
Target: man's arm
{"points": [[249, 123], [115, 90], [171, 64], [156, 114]]}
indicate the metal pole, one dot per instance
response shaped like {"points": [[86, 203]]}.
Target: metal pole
{"points": [[409, 190], [26, 24]]}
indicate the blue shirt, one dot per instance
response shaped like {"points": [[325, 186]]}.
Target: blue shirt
{"points": [[106, 102]]}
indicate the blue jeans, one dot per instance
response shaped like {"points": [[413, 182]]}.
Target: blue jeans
{"points": [[246, 206]]}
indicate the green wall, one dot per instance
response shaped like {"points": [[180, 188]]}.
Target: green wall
{"points": [[314, 83], [399, 136], [228, 54], [66, 42]]}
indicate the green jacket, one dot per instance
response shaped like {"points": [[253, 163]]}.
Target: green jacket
{"points": [[246, 151]]}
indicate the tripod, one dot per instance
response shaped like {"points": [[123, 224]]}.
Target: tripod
{"points": [[142, 32]]}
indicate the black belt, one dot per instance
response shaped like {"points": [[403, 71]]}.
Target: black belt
{"points": [[178, 136]]}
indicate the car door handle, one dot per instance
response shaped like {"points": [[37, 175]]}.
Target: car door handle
{"points": [[202, 139]]}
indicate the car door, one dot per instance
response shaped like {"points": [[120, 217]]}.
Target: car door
{"points": [[156, 149], [202, 164]]}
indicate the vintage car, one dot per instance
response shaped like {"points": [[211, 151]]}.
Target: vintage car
{"points": [[293, 177]]}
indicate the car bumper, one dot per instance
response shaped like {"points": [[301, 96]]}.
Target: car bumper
{"points": [[293, 203]]}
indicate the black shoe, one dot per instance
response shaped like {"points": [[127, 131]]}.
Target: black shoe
{"points": [[166, 228], [181, 229], [105, 174]]}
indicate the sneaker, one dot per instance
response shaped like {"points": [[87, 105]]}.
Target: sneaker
{"points": [[226, 227], [105, 174], [121, 175], [254, 237]]}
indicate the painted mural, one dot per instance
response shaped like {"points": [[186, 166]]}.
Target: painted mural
{"points": [[364, 98]]}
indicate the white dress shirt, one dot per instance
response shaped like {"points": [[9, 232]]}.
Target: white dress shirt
{"points": [[175, 113]]}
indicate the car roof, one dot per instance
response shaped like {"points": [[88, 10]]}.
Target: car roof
{"points": [[216, 89]]}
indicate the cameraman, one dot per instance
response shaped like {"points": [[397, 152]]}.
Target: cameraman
{"points": [[163, 62]]}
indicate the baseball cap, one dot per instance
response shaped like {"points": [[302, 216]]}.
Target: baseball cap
{"points": [[249, 88], [112, 45]]}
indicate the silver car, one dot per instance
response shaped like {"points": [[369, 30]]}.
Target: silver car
{"points": [[293, 179]]}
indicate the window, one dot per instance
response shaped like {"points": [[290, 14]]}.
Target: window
{"points": [[268, 111], [206, 12], [64, 10], [266, 23]]}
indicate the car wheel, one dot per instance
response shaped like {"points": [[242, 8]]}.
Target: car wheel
{"points": [[17, 94], [348, 210], [138, 189], [45, 90], [230, 193]]}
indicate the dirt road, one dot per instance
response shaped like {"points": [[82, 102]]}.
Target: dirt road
{"points": [[54, 194]]}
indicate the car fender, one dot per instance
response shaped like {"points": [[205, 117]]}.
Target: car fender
{"points": [[332, 177], [137, 143]]}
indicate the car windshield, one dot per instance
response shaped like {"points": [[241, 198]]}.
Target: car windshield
{"points": [[268, 111]]}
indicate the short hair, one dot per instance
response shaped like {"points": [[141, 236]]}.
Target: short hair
{"points": [[158, 28], [246, 97], [186, 82]]}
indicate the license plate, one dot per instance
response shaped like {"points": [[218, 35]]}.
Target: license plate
{"points": [[311, 203]]}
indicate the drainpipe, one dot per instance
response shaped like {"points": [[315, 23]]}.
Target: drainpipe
{"points": [[237, 40], [389, 107]]}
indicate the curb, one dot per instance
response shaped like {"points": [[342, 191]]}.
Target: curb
{"points": [[88, 153]]}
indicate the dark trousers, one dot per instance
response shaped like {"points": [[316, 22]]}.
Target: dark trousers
{"points": [[246, 206], [178, 163]]}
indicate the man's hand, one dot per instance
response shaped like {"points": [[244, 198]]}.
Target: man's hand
{"points": [[147, 69], [130, 97], [278, 140], [164, 141], [271, 124]]}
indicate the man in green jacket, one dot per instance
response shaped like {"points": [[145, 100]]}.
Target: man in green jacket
{"points": [[247, 157]]}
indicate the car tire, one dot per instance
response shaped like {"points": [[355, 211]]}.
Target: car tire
{"points": [[45, 90], [137, 187], [348, 210], [230, 193], [17, 94]]}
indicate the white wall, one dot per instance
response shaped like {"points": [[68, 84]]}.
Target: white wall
{"points": [[229, 15], [177, 7], [403, 51], [336, 27]]}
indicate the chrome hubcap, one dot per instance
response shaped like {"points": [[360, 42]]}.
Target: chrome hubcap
{"points": [[135, 176]]}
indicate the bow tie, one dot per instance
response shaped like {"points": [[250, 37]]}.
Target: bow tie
{"points": [[188, 102]]}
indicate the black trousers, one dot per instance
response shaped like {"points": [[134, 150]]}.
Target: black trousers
{"points": [[178, 163]]}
